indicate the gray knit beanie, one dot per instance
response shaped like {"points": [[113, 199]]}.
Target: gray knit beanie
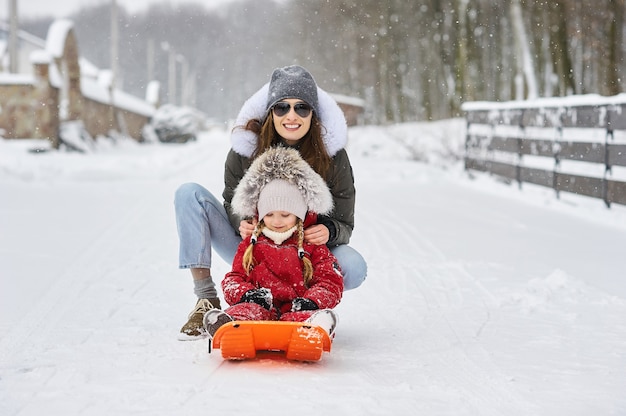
{"points": [[292, 82], [280, 195]]}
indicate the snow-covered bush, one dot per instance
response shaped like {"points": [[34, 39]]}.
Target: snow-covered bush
{"points": [[173, 124]]}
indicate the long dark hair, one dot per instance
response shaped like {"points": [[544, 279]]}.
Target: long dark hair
{"points": [[311, 146]]}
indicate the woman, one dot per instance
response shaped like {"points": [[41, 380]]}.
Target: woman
{"points": [[290, 111]]}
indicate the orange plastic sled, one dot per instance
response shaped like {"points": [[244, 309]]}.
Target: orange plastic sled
{"points": [[240, 340]]}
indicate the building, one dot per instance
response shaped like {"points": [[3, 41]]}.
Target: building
{"points": [[352, 108], [55, 84]]}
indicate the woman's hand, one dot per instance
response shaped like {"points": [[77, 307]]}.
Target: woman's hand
{"points": [[317, 234], [246, 227]]}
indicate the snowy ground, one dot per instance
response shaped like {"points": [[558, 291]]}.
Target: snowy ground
{"points": [[481, 299]]}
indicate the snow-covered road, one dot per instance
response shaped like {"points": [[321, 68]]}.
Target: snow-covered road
{"points": [[480, 299]]}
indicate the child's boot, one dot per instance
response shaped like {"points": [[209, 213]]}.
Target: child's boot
{"points": [[213, 319], [326, 319]]}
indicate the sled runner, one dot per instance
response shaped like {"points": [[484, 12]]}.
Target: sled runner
{"points": [[301, 341]]}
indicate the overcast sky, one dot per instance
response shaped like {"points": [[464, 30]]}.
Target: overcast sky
{"points": [[63, 8]]}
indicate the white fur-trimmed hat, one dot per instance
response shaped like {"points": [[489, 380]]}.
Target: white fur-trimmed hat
{"points": [[292, 174]]}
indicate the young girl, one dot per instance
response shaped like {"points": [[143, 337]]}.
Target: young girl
{"points": [[276, 274]]}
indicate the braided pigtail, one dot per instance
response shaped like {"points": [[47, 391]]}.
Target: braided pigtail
{"points": [[248, 259], [307, 267]]}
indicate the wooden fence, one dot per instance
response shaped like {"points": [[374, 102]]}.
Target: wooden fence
{"points": [[572, 144]]}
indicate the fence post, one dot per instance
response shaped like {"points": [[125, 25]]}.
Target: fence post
{"points": [[467, 138], [520, 145], [607, 167], [556, 148]]}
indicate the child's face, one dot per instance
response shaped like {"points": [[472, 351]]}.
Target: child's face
{"points": [[279, 220]]}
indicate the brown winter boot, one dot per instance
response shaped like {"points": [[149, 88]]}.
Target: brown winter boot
{"points": [[194, 329]]}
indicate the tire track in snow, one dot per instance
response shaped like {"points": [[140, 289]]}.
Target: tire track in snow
{"points": [[457, 308], [457, 357], [192, 159], [46, 312]]}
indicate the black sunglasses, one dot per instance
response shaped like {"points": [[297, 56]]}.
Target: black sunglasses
{"points": [[281, 108]]}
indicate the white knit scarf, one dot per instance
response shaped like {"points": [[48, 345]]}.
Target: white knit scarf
{"points": [[278, 237]]}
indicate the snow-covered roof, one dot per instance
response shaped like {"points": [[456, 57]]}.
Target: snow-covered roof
{"points": [[97, 91], [345, 99], [57, 33], [40, 56], [16, 79], [87, 69], [93, 80], [24, 36]]}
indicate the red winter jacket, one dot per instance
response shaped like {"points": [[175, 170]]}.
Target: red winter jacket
{"points": [[279, 269]]}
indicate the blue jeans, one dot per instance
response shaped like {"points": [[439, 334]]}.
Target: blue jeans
{"points": [[203, 224]]}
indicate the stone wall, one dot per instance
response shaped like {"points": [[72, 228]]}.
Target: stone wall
{"points": [[17, 112], [100, 118]]}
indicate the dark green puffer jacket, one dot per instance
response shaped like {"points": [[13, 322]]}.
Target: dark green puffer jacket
{"points": [[340, 182]]}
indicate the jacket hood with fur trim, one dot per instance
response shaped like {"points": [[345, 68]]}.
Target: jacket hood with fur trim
{"points": [[335, 131], [286, 164]]}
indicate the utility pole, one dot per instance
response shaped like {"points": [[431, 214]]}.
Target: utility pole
{"points": [[150, 60], [184, 69], [114, 42], [171, 72], [117, 118], [13, 54], [171, 82]]}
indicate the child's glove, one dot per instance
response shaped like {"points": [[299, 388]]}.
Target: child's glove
{"points": [[303, 304], [261, 296]]}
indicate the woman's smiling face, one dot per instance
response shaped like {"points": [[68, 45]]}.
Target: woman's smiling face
{"points": [[291, 126]]}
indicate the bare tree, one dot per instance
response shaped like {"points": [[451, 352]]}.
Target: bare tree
{"points": [[615, 53], [409, 59], [526, 74]]}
